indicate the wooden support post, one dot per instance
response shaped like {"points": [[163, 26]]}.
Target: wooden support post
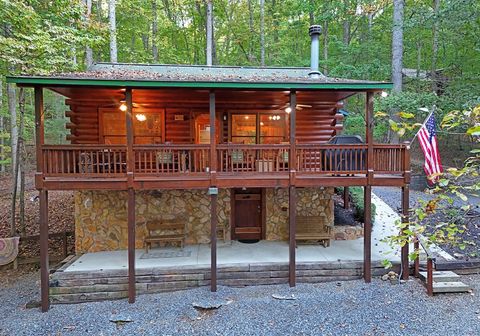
{"points": [[39, 136], [346, 198], [367, 235], [405, 219], [429, 276], [292, 205], [43, 200], [129, 130], [213, 195], [131, 245], [44, 266], [213, 243], [292, 198], [131, 197]]}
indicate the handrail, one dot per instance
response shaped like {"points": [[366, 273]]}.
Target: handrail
{"points": [[431, 259]]}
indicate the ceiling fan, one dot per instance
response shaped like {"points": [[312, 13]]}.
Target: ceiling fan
{"points": [[288, 109]]}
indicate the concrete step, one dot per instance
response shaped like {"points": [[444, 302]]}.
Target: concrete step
{"points": [[450, 287], [441, 276]]}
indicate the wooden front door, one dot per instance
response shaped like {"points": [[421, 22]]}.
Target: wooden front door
{"points": [[247, 215]]}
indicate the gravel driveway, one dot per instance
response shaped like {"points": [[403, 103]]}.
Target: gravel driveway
{"points": [[346, 308]]}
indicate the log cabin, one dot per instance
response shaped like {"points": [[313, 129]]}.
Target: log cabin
{"points": [[243, 149]]}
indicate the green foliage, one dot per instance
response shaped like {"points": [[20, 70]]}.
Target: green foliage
{"points": [[357, 198]]}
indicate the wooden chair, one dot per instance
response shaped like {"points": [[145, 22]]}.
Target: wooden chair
{"points": [[313, 228], [165, 230]]}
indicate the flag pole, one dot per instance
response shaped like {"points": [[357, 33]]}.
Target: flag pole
{"points": [[434, 107]]}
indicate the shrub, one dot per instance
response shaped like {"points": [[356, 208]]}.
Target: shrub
{"points": [[357, 198]]}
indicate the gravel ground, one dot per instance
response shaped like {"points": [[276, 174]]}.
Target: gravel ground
{"points": [[346, 308]]}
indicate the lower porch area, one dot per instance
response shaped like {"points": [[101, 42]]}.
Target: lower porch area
{"points": [[104, 275]]}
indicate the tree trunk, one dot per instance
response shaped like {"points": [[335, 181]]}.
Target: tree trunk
{"points": [[12, 108], [311, 14], [262, 32], [209, 21], [397, 45], [346, 32], [154, 31], [21, 160], [325, 46], [251, 26], [88, 49], [2, 129], [113, 30], [12, 111], [436, 10]]}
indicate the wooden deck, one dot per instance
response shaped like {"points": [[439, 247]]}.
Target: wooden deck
{"points": [[73, 167]]}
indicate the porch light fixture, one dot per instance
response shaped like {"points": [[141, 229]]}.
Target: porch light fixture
{"points": [[288, 110], [141, 117], [123, 107]]}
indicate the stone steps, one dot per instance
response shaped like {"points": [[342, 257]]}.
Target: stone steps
{"points": [[450, 287], [75, 287], [446, 282]]}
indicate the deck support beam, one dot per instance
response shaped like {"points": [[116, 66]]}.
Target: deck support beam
{"points": [[43, 200], [367, 190], [44, 265], [213, 192], [292, 194], [367, 235], [131, 245], [131, 197], [213, 243], [292, 205], [405, 220]]}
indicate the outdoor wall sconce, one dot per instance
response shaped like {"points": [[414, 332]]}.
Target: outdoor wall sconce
{"points": [[123, 107]]}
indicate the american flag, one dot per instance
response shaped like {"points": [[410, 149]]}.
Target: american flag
{"points": [[428, 143]]}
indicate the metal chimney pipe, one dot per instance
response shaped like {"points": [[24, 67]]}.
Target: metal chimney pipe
{"points": [[314, 31]]}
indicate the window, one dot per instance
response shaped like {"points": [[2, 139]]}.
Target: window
{"points": [[272, 128], [244, 128]]}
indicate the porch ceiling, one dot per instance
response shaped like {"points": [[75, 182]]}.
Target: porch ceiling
{"points": [[224, 98]]}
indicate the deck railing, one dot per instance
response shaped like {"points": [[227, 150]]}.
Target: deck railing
{"points": [[171, 159], [237, 158], [111, 160], [85, 160], [389, 159], [332, 159]]}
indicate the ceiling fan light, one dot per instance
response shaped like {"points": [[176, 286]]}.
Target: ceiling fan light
{"points": [[141, 117]]}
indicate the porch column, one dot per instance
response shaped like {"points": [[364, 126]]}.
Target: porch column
{"points": [[405, 219], [213, 191], [367, 234], [367, 240], [131, 197], [292, 198], [43, 200], [44, 267]]}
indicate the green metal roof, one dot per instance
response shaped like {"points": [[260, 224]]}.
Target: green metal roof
{"points": [[150, 76]]}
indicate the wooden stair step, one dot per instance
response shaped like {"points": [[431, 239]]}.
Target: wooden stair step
{"points": [[441, 276], [450, 287]]}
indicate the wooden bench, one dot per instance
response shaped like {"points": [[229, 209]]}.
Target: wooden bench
{"points": [[313, 228], [165, 230]]}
